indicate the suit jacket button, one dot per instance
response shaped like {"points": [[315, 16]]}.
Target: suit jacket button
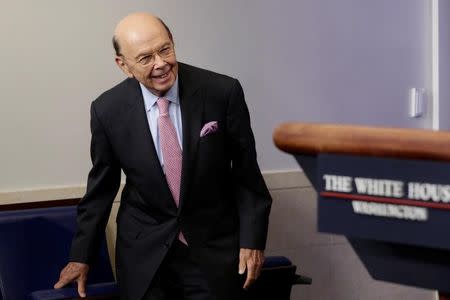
{"points": [[166, 245]]}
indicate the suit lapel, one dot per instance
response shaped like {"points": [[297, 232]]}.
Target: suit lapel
{"points": [[191, 101], [137, 120]]}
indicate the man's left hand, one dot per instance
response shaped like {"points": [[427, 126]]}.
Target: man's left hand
{"points": [[251, 260]]}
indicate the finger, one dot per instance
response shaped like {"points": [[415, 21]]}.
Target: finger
{"points": [[242, 265], [259, 262], [63, 281], [59, 284], [247, 283], [258, 271], [81, 283], [251, 275]]}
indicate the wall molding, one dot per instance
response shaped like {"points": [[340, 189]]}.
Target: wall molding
{"points": [[435, 63], [275, 180]]}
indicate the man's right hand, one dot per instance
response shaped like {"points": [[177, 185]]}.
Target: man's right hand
{"points": [[74, 272]]}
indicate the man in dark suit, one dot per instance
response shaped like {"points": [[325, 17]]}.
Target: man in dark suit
{"points": [[194, 211]]}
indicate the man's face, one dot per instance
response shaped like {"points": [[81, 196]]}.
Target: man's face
{"points": [[149, 56]]}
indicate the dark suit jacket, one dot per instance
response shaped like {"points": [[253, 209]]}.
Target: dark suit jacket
{"points": [[224, 202]]}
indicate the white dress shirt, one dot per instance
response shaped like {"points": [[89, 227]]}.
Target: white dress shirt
{"points": [[152, 111]]}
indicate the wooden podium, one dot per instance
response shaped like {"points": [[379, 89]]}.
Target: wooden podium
{"points": [[387, 190]]}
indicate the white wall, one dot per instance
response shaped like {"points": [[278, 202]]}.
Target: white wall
{"points": [[347, 61]]}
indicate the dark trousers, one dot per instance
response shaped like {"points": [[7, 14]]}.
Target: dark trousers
{"points": [[179, 278]]}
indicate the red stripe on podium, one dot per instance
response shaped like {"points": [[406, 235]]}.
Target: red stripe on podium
{"points": [[397, 201]]}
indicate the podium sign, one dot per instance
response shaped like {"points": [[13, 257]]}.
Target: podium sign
{"points": [[386, 189], [384, 199]]}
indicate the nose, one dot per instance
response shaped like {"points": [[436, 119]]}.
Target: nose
{"points": [[159, 62]]}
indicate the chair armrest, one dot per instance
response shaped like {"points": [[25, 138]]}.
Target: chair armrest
{"points": [[276, 261], [272, 262], [97, 291], [300, 279]]}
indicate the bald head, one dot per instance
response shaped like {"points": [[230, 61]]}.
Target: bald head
{"points": [[137, 26], [145, 52]]}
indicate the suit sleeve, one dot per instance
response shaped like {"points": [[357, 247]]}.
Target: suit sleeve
{"points": [[254, 200], [95, 207]]}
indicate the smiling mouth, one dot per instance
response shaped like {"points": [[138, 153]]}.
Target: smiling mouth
{"points": [[161, 76]]}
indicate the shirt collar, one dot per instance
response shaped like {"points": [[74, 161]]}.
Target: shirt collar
{"points": [[150, 99]]}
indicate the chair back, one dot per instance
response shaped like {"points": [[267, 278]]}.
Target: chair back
{"points": [[276, 280], [34, 247]]}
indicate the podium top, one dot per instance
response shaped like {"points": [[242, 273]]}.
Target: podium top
{"points": [[314, 138]]}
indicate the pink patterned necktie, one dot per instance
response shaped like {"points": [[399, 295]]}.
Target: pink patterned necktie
{"points": [[171, 152]]}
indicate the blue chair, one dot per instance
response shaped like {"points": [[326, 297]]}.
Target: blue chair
{"points": [[35, 244], [34, 247]]}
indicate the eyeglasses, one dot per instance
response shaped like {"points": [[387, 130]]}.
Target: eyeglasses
{"points": [[147, 60]]}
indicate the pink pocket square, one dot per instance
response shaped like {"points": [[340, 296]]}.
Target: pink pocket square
{"points": [[208, 128]]}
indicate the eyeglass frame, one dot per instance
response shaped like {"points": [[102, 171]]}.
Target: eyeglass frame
{"points": [[152, 56]]}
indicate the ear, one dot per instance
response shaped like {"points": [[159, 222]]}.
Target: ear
{"points": [[123, 66]]}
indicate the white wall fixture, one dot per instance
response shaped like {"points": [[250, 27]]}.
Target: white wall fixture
{"points": [[416, 102]]}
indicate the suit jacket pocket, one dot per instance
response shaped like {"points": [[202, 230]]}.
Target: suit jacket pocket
{"points": [[133, 224], [212, 146]]}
